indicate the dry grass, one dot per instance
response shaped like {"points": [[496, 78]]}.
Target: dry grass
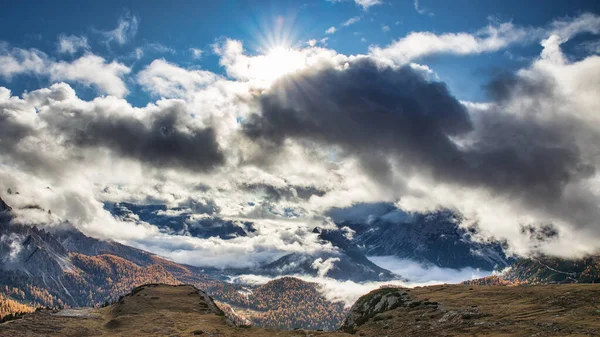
{"points": [[463, 310], [450, 310]]}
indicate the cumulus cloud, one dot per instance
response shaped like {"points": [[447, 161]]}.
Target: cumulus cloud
{"points": [[70, 44], [167, 80], [162, 134], [89, 69], [92, 70], [518, 152], [330, 30]]}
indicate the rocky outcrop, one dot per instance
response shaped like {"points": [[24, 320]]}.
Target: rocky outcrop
{"points": [[375, 302]]}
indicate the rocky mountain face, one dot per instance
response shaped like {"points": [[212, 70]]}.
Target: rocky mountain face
{"points": [[432, 238], [546, 270], [336, 265], [183, 221]]}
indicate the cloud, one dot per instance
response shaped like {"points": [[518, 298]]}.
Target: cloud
{"points": [[422, 131], [280, 140], [366, 4], [161, 135], [488, 39], [196, 53], [167, 80], [385, 28], [71, 44], [330, 30], [345, 103], [351, 21], [324, 266], [89, 69], [124, 32], [418, 273], [92, 70], [422, 10], [349, 291], [419, 44]]}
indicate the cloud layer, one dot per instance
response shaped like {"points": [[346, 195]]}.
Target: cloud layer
{"points": [[281, 138]]}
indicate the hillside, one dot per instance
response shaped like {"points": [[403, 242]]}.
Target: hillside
{"points": [[546, 270], [150, 310], [288, 303], [431, 238], [446, 310]]}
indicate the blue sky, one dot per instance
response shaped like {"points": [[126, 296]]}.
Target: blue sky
{"points": [[182, 25]]}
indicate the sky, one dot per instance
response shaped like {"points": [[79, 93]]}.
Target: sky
{"points": [[277, 112]]}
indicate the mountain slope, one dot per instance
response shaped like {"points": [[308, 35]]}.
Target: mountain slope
{"points": [[431, 238], [337, 265], [547, 270]]}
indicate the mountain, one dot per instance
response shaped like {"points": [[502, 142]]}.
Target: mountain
{"points": [[62, 267], [345, 264], [336, 265], [446, 310], [546, 270], [432, 238], [289, 303], [183, 220]]}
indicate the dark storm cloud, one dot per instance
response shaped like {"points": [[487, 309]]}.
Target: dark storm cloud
{"points": [[379, 114], [290, 193], [165, 138], [162, 136]]}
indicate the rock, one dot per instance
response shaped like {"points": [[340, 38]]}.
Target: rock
{"points": [[375, 302]]}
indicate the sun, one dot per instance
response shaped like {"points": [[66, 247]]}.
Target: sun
{"points": [[279, 61]]}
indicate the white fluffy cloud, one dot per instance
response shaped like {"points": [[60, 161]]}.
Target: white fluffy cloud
{"points": [[92, 70], [167, 80], [89, 69], [488, 39]]}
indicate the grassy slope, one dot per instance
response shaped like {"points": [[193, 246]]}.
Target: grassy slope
{"points": [[449, 310]]}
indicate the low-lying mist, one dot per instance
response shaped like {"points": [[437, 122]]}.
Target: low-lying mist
{"points": [[349, 291]]}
